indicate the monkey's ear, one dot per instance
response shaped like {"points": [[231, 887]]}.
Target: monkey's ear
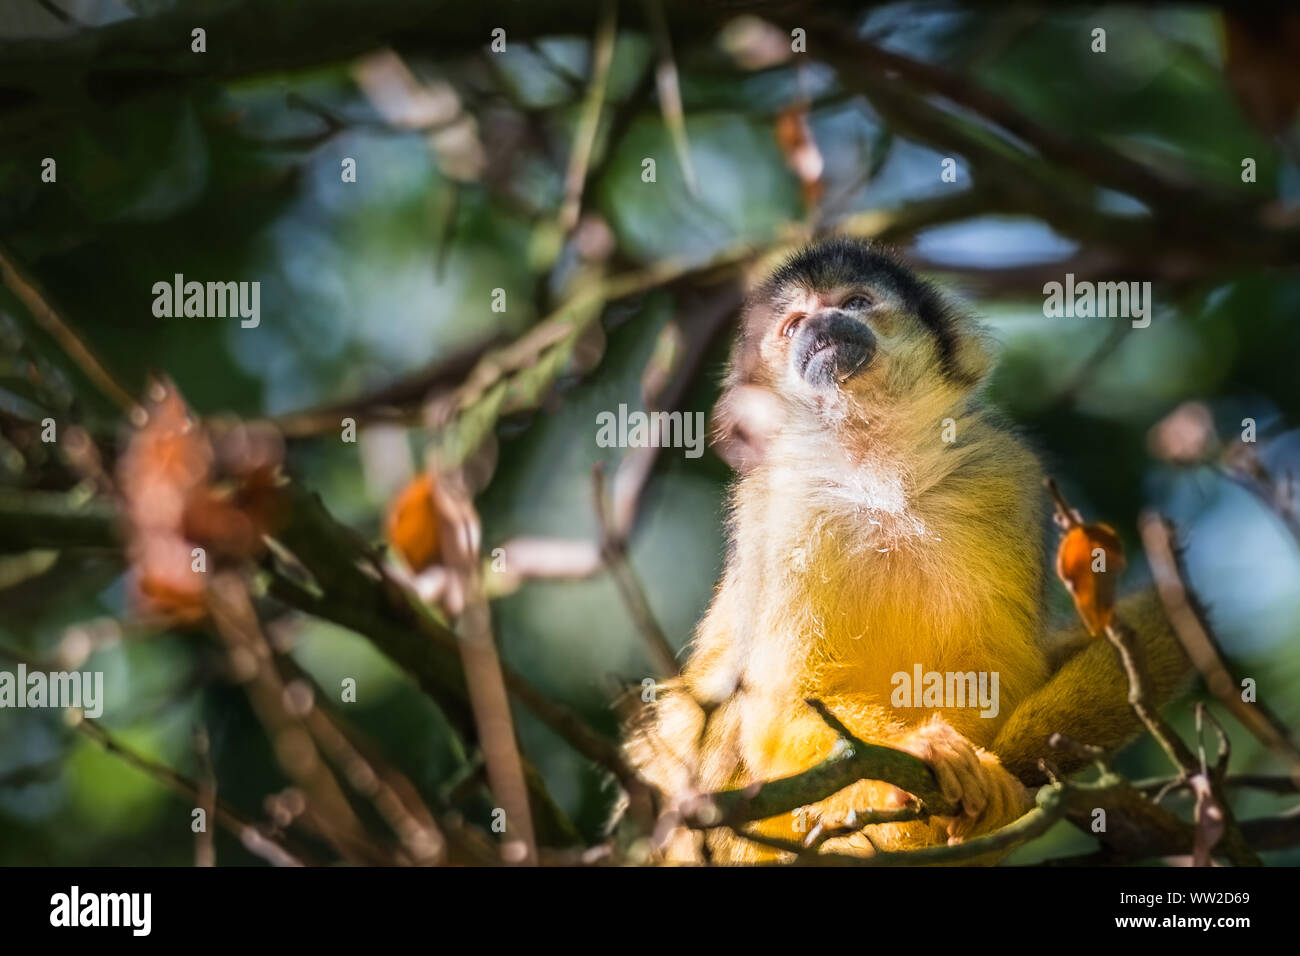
{"points": [[743, 423]]}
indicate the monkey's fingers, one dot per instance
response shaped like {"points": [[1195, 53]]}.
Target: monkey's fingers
{"points": [[1007, 800], [970, 775], [925, 747], [955, 762], [960, 828]]}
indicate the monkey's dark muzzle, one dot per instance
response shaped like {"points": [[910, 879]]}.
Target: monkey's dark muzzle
{"points": [[831, 347]]}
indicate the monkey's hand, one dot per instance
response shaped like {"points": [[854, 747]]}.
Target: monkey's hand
{"points": [[971, 776]]}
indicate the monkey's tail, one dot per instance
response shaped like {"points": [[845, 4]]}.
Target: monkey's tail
{"points": [[1087, 697]]}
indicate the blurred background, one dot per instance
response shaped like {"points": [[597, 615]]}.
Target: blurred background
{"points": [[509, 169]]}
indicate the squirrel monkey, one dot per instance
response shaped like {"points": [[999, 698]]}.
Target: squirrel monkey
{"points": [[884, 524]]}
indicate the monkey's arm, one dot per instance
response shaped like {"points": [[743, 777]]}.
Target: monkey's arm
{"points": [[1087, 698], [668, 738]]}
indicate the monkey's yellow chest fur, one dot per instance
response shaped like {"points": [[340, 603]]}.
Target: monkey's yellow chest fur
{"points": [[833, 591]]}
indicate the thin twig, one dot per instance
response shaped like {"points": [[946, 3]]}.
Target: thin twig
{"points": [[670, 93], [249, 657], [205, 853], [1128, 649], [534, 557], [1215, 824], [1216, 812], [47, 317], [584, 137], [387, 788], [257, 839], [1193, 631], [406, 630], [857, 820], [483, 675], [613, 548], [851, 761], [1051, 807], [1267, 783]]}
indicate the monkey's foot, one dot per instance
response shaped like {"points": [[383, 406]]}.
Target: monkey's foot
{"points": [[971, 776]]}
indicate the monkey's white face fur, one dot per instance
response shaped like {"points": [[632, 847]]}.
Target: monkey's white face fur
{"points": [[845, 371]]}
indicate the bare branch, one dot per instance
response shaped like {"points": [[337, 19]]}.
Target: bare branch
{"points": [[487, 689], [1198, 640], [613, 548], [584, 137], [851, 761], [48, 318]]}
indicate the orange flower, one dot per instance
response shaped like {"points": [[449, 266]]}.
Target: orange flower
{"points": [[174, 502], [1089, 561], [412, 524]]}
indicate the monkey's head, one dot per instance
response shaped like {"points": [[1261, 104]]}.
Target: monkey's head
{"points": [[843, 336]]}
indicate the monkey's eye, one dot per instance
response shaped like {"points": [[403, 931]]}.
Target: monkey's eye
{"points": [[855, 303], [792, 324]]}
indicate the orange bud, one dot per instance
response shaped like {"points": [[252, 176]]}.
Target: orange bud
{"points": [[178, 496], [412, 524], [1089, 562]]}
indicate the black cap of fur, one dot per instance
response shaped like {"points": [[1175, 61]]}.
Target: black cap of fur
{"points": [[842, 260]]}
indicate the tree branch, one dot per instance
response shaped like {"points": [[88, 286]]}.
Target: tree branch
{"points": [[1192, 628], [851, 761]]}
